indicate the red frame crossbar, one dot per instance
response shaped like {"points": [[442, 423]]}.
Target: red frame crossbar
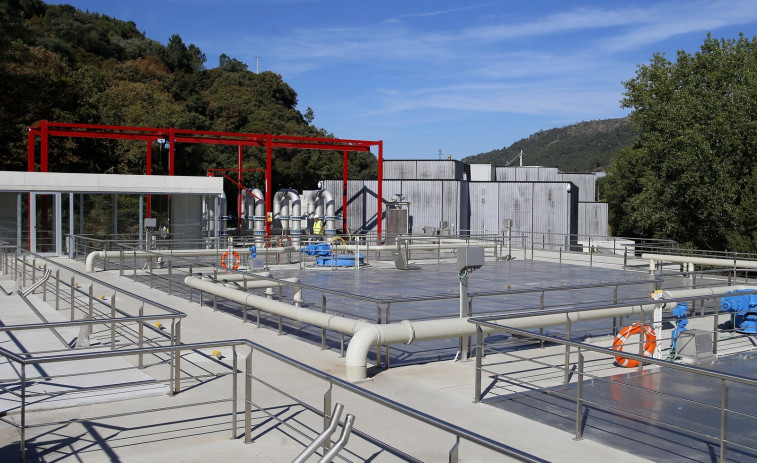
{"points": [[46, 129]]}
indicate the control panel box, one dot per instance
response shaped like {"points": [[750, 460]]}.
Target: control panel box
{"points": [[470, 257]]}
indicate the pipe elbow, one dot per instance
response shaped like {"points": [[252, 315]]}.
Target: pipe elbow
{"points": [[356, 358], [89, 263]]}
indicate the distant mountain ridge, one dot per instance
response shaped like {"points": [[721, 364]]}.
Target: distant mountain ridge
{"points": [[583, 147]]}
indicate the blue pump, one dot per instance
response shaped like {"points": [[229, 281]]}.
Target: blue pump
{"points": [[744, 310], [681, 311]]}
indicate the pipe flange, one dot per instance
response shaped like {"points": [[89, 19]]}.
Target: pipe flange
{"points": [[411, 328]]}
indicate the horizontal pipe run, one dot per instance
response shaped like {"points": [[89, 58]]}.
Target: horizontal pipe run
{"points": [[89, 263], [678, 259]]}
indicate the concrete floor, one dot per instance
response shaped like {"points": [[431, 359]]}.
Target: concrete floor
{"points": [[195, 425]]}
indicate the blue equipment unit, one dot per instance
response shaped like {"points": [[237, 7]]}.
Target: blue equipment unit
{"points": [[681, 311], [339, 260], [253, 251], [744, 310], [318, 249]]}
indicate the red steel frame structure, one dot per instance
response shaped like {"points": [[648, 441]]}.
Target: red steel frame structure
{"points": [[46, 129]]}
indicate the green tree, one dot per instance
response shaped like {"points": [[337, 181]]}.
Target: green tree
{"points": [[689, 176]]}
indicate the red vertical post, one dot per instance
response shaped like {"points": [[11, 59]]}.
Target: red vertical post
{"points": [[171, 151], [148, 171], [380, 192], [268, 186], [344, 192], [43, 147], [239, 191], [30, 150]]}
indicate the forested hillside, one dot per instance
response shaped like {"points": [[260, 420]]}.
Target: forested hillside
{"points": [[65, 65], [582, 147]]}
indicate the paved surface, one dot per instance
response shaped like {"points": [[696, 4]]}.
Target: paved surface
{"points": [[196, 424]]}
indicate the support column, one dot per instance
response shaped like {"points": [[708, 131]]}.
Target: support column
{"points": [[71, 211], [239, 191], [148, 171], [58, 219], [268, 186], [32, 222], [115, 215], [141, 222], [345, 161], [380, 188]]}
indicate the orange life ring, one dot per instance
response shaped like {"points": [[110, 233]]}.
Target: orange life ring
{"points": [[236, 260], [650, 343], [285, 241]]}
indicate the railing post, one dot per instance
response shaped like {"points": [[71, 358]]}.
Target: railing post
{"points": [[579, 395], [121, 262], [177, 363], [248, 399], [134, 255], [57, 289], [91, 308], [479, 361], [453, 453], [113, 323], [234, 376], [172, 378], [723, 422], [150, 265], [44, 286], [323, 330], [73, 296], [566, 379], [327, 414], [141, 335], [170, 274], [23, 273], [23, 413]]}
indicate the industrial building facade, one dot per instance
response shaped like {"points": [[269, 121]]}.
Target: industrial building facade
{"points": [[453, 197]]}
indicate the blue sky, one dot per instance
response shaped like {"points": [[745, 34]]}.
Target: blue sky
{"points": [[430, 75]]}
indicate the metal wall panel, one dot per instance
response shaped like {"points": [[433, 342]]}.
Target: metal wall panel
{"points": [[551, 207], [451, 206], [516, 204], [484, 202], [505, 174], [592, 219], [186, 217], [585, 184], [398, 170], [425, 203], [438, 170]]}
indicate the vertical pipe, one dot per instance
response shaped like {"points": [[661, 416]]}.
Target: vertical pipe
{"points": [[248, 398], [171, 354], [30, 149], [380, 186], [170, 274], [141, 223], [453, 453]]}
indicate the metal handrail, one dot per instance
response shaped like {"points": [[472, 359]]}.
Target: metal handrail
{"points": [[341, 442], [323, 436]]}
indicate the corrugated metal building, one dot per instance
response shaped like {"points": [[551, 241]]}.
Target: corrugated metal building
{"points": [[536, 199]]}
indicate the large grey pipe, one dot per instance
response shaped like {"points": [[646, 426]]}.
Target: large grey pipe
{"points": [[257, 211], [319, 201], [289, 212]]}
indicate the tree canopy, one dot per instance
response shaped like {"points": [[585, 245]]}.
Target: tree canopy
{"points": [[61, 64], [691, 174]]}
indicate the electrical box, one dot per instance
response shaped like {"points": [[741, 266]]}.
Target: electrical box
{"points": [[151, 222], [470, 257], [695, 346]]}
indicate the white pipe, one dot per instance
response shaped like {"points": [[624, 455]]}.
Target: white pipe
{"points": [[320, 319], [366, 335], [427, 247], [89, 262], [698, 260], [250, 283], [323, 199]]}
